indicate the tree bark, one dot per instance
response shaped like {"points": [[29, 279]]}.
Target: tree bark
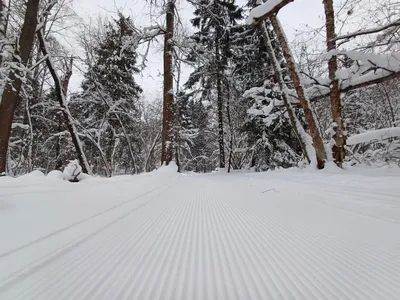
{"points": [[338, 150], [59, 120], [279, 77], [60, 89], [4, 18], [12, 89], [168, 101], [228, 115], [219, 100], [318, 143]]}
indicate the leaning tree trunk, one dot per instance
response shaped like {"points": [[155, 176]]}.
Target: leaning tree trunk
{"points": [[167, 130], [338, 149], [59, 119], [296, 126], [303, 99], [11, 91], [59, 89]]}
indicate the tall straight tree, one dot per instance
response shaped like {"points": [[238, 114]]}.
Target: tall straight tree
{"points": [[11, 92], [338, 149], [211, 55]]}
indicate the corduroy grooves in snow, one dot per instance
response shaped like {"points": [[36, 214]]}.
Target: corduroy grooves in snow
{"points": [[292, 234]]}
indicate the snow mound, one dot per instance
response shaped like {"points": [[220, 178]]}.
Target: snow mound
{"points": [[55, 175], [73, 171], [172, 168], [34, 174]]}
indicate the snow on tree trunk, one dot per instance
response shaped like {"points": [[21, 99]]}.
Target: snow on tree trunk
{"points": [[318, 143], [11, 91], [228, 115], [339, 137], [61, 98], [220, 101], [167, 133], [278, 71]]}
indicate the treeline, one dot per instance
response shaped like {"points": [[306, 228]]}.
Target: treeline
{"points": [[254, 100]]}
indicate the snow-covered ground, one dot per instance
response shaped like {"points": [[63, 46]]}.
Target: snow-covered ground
{"points": [[292, 234]]}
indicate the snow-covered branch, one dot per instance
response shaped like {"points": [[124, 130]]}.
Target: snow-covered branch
{"points": [[374, 135], [367, 69], [266, 10]]}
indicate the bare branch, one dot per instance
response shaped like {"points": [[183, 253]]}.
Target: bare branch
{"points": [[368, 31]]}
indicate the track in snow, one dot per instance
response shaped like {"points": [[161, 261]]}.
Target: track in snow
{"points": [[216, 237]]}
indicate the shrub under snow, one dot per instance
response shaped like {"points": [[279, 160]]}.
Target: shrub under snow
{"points": [[73, 171]]}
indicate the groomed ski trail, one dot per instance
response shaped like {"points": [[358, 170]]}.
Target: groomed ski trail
{"points": [[216, 237]]}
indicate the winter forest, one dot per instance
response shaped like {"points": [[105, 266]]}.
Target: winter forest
{"points": [[253, 99], [200, 150]]}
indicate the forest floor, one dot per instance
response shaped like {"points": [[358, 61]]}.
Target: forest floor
{"points": [[292, 234]]}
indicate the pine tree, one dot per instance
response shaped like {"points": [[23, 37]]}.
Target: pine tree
{"points": [[109, 106], [269, 131], [196, 143], [211, 53], [115, 63], [269, 134]]}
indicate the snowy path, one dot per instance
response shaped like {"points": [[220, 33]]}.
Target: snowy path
{"points": [[279, 235]]}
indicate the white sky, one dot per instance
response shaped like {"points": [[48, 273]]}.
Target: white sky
{"points": [[294, 16]]}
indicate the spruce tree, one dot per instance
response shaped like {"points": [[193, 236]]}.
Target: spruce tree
{"points": [[211, 53], [109, 106], [268, 130]]}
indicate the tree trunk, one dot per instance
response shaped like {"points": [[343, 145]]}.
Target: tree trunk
{"points": [[59, 120], [219, 100], [279, 77], [4, 19], [11, 91], [60, 89], [228, 115], [150, 153], [338, 150], [167, 131], [318, 143]]}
